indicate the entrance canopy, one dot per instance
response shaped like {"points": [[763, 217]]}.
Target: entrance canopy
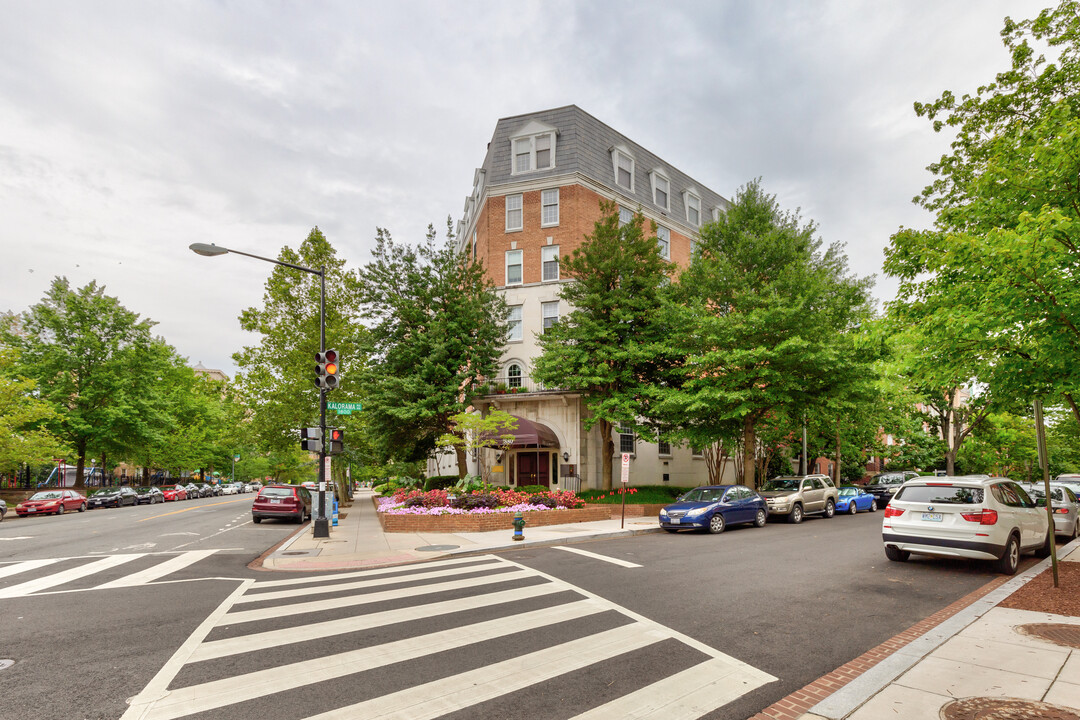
{"points": [[530, 434]]}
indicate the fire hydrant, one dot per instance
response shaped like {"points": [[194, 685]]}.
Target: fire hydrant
{"points": [[519, 525]]}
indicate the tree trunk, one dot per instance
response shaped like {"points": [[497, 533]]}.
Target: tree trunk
{"points": [[462, 462], [80, 467], [1072, 404], [749, 448], [836, 468], [607, 450], [103, 469]]}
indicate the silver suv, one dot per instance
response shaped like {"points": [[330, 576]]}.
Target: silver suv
{"points": [[800, 495]]}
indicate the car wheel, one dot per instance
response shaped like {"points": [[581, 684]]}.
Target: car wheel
{"points": [[60, 509], [851, 509], [795, 516], [896, 554], [1010, 559], [759, 519], [82, 508], [873, 505], [830, 509], [1047, 546], [1076, 529], [256, 520], [716, 524]]}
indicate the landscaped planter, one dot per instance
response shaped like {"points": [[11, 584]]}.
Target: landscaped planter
{"points": [[637, 510], [490, 521]]}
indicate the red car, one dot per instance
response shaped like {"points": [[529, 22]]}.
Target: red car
{"points": [[174, 492], [282, 501], [51, 502]]}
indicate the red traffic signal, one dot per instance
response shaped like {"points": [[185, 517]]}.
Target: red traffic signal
{"points": [[336, 437], [327, 368]]}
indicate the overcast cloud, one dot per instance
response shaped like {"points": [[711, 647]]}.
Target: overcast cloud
{"points": [[129, 130]]}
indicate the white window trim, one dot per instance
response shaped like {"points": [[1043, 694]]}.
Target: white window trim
{"points": [[520, 325], [654, 176], [547, 249], [687, 194], [666, 254], [532, 152], [623, 150], [618, 440], [520, 209], [520, 254], [543, 317], [558, 199]]}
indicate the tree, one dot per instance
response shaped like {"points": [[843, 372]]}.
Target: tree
{"points": [[766, 318], [474, 432], [607, 347], [1003, 444], [437, 331], [87, 354], [995, 280], [276, 376], [24, 436]]}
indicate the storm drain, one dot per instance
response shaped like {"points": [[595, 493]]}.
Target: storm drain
{"points": [[987, 708], [1060, 633]]}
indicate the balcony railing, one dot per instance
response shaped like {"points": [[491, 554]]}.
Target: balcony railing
{"points": [[515, 384]]}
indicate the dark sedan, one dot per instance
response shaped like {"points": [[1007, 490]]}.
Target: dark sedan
{"points": [[714, 507], [111, 497], [148, 495], [884, 485]]}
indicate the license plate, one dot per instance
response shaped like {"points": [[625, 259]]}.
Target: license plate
{"points": [[275, 501], [675, 521], [31, 509], [932, 517]]}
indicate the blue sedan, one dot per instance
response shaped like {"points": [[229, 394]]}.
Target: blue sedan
{"points": [[713, 507], [853, 500]]}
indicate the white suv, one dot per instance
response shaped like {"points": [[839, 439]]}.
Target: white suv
{"points": [[973, 516]]}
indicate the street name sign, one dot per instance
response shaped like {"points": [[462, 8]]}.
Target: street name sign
{"points": [[344, 408]]}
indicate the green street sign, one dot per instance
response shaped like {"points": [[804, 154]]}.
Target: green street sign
{"points": [[344, 408]]}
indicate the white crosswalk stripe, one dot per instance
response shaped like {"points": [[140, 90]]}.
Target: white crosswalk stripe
{"points": [[165, 564], [206, 677]]}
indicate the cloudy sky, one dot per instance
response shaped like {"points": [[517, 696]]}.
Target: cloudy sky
{"points": [[129, 130]]}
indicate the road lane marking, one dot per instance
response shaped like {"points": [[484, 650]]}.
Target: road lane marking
{"points": [[160, 570], [24, 566], [595, 556], [19, 537], [378, 571], [68, 575], [241, 688], [194, 507]]}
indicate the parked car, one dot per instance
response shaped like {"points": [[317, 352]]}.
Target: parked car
{"points": [[883, 485], [192, 491], [713, 508], [228, 489], [55, 502], [1070, 479], [148, 494], [174, 492], [205, 489], [311, 486], [971, 516], [852, 499], [1064, 504], [111, 497], [3, 510], [798, 496], [281, 501]]}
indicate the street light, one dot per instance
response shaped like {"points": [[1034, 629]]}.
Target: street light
{"points": [[322, 523]]}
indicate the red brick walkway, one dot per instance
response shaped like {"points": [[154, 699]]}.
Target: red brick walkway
{"points": [[805, 698]]}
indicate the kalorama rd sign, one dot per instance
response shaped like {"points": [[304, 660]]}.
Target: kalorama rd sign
{"points": [[343, 408]]}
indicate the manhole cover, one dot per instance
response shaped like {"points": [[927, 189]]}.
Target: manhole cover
{"points": [[1060, 633], [986, 708], [437, 548], [5, 664]]}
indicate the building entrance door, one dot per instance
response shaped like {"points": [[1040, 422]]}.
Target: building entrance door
{"points": [[533, 468]]}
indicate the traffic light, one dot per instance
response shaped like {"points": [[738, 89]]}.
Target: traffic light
{"points": [[311, 439], [336, 442], [326, 369]]}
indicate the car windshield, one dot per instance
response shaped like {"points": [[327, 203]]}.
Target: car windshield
{"points": [[941, 494], [703, 495], [105, 491], [888, 479], [849, 491], [47, 495], [783, 483], [277, 492], [144, 490], [1055, 493]]}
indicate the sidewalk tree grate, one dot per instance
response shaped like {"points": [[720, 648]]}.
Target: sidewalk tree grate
{"points": [[1059, 633], [996, 708], [437, 548]]}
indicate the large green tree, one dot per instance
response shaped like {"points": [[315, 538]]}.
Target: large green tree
{"points": [[607, 347], [766, 318], [437, 328], [24, 436], [993, 285], [88, 356]]}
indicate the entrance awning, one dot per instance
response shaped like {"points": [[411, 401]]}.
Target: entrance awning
{"points": [[530, 434]]}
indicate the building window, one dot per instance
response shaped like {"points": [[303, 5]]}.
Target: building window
{"points": [[626, 439], [663, 241], [661, 190], [693, 209], [513, 212], [715, 214], [513, 324], [549, 203], [623, 164], [513, 267], [513, 376], [625, 216], [550, 313], [663, 447], [697, 452], [549, 261], [536, 152]]}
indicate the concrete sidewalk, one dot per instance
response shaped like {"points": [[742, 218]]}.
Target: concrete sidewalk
{"points": [[358, 541]]}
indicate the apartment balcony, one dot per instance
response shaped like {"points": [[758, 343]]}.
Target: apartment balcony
{"points": [[516, 385]]}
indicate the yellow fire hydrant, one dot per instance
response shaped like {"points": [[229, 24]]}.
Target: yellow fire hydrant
{"points": [[519, 525]]}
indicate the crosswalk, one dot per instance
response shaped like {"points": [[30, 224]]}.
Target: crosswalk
{"points": [[97, 572], [472, 637]]}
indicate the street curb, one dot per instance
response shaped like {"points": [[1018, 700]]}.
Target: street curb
{"points": [[257, 563], [552, 541], [849, 697]]}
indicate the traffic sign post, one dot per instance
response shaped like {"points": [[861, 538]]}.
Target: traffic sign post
{"points": [[625, 479]]}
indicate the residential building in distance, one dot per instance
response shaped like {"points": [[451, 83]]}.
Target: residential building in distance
{"points": [[213, 374], [534, 199]]}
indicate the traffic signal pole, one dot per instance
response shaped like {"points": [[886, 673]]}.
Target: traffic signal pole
{"points": [[321, 523]]}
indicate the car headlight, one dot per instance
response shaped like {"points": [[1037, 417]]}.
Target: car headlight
{"points": [[663, 512], [698, 511]]}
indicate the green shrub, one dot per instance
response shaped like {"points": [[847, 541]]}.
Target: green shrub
{"points": [[468, 484], [639, 494], [533, 489], [440, 482]]}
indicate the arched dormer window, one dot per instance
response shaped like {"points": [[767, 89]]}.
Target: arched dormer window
{"points": [[513, 375]]}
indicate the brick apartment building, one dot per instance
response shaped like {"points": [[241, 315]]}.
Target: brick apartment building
{"points": [[535, 198]]}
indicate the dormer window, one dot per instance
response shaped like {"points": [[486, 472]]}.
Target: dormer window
{"points": [[693, 207], [661, 190], [623, 164], [533, 148]]}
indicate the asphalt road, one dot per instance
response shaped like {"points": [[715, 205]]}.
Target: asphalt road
{"points": [[792, 601]]}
